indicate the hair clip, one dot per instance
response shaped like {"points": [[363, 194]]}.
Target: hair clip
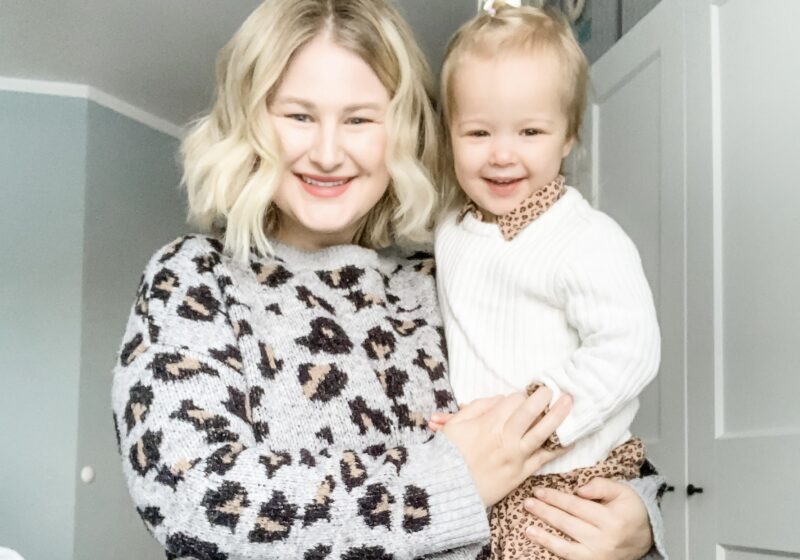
{"points": [[490, 6]]}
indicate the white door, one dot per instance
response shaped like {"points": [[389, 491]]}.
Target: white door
{"points": [[743, 76], [635, 132], [694, 141]]}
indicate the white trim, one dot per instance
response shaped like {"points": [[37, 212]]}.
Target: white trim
{"points": [[717, 225], [759, 433], [66, 89], [62, 89], [595, 155]]}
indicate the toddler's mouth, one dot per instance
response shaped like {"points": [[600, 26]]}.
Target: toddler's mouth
{"points": [[503, 186], [502, 181]]}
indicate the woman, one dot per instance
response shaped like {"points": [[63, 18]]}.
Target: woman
{"points": [[274, 384]]}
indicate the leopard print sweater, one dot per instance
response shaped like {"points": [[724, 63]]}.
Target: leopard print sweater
{"points": [[277, 409]]}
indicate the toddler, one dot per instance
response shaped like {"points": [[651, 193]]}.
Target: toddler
{"points": [[537, 287]]}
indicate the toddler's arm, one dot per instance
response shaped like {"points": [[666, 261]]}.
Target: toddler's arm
{"points": [[607, 300]]}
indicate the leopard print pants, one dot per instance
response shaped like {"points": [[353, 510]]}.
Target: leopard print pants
{"points": [[509, 519]]}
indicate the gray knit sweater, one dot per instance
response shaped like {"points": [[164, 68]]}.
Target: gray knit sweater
{"points": [[277, 409]]}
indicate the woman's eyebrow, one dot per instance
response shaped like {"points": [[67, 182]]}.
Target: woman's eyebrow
{"points": [[296, 100], [360, 106], [309, 105]]}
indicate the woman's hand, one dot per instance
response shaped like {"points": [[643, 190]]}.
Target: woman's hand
{"points": [[501, 438], [438, 420], [607, 520]]}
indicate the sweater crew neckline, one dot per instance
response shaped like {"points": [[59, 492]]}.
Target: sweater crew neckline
{"points": [[327, 257]]}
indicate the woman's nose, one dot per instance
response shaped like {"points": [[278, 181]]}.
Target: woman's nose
{"points": [[327, 152]]}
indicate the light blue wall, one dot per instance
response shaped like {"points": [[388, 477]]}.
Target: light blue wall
{"points": [[87, 196], [133, 207], [42, 178]]}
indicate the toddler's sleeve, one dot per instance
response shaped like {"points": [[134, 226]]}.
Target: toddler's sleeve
{"points": [[607, 300]]}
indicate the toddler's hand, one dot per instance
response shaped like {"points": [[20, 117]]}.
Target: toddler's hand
{"points": [[438, 420]]}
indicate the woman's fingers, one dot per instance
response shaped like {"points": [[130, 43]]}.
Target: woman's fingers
{"points": [[574, 527], [618, 529], [536, 435], [540, 457], [477, 407], [601, 490], [557, 545], [525, 413], [440, 417], [438, 420], [562, 510]]}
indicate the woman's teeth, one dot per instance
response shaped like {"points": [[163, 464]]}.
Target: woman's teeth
{"points": [[317, 183]]}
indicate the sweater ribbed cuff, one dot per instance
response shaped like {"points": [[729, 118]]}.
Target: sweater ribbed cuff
{"points": [[457, 512], [573, 425], [647, 489], [576, 426]]}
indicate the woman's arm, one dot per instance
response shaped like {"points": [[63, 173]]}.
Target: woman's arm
{"points": [[211, 481], [607, 520]]}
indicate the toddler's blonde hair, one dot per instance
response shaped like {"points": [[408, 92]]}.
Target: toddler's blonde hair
{"points": [[525, 29]]}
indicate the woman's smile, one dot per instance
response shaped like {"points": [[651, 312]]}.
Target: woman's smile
{"points": [[324, 186]]}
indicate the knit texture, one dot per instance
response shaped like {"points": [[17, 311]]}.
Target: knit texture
{"points": [[278, 409], [650, 489], [565, 303]]}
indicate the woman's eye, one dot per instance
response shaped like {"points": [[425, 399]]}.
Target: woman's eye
{"points": [[531, 132], [299, 117], [357, 120], [477, 133]]}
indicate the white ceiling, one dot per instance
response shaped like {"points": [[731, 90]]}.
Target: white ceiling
{"points": [[157, 55]]}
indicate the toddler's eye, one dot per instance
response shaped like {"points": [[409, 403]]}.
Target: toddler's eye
{"points": [[299, 117], [477, 133], [531, 132]]}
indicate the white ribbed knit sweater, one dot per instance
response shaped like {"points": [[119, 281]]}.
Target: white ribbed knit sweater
{"points": [[564, 303]]}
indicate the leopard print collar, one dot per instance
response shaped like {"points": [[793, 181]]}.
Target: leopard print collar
{"points": [[531, 208]]}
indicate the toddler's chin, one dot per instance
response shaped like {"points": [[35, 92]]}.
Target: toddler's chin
{"points": [[501, 208]]}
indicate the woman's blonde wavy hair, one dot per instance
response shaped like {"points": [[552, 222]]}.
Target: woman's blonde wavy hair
{"points": [[512, 30], [232, 157]]}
